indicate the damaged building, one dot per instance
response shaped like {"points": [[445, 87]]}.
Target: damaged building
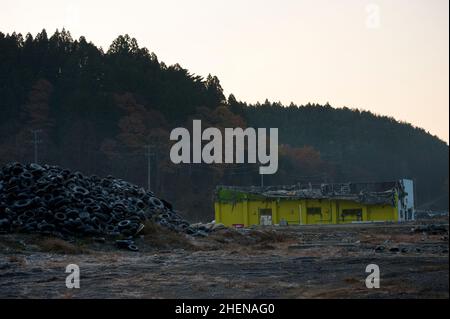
{"points": [[303, 204]]}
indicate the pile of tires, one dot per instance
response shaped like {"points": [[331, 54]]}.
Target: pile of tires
{"points": [[52, 200]]}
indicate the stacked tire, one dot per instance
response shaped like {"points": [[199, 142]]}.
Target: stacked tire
{"points": [[52, 200]]}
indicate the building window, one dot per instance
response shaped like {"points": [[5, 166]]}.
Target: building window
{"points": [[314, 210], [352, 213], [265, 211]]}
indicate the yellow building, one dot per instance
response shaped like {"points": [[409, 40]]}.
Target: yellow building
{"points": [[315, 204]]}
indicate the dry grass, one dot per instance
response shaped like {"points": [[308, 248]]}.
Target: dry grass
{"points": [[265, 246], [433, 268], [260, 238], [67, 295], [19, 260], [352, 280], [59, 246], [270, 236], [159, 237]]}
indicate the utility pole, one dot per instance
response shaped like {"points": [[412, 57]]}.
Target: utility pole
{"points": [[36, 141], [262, 180], [149, 154]]}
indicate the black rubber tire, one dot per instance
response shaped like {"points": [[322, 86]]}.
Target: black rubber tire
{"points": [[45, 227], [166, 216], [80, 190], [140, 204], [4, 222], [95, 221], [58, 201], [60, 216], [72, 214], [88, 201], [29, 213], [35, 167], [102, 217], [123, 243], [83, 215], [190, 231], [132, 247], [163, 222], [167, 204], [22, 204], [110, 228], [155, 202], [124, 224], [48, 197], [30, 226], [22, 218]]}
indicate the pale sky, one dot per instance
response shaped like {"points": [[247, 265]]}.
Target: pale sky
{"points": [[387, 56]]}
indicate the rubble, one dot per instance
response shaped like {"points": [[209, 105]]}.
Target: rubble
{"points": [[208, 227], [433, 229], [52, 200], [127, 244], [429, 214]]}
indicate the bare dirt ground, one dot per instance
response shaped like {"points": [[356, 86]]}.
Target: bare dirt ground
{"points": [[270, 262]]}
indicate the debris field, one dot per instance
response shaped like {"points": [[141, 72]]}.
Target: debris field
{"points": [[265, 262]]}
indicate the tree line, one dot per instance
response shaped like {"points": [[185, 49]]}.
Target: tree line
{"points": [[108, 113]]}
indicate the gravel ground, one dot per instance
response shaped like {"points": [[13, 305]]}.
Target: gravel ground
{"points": [[270, 262]]}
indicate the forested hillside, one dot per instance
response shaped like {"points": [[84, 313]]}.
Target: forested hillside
{"points": [[105, 112]]}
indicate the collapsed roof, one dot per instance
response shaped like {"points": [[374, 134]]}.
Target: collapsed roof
{"points": [[381, 193]]}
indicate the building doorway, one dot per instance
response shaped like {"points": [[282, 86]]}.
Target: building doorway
{"points": [[265, 216]]}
